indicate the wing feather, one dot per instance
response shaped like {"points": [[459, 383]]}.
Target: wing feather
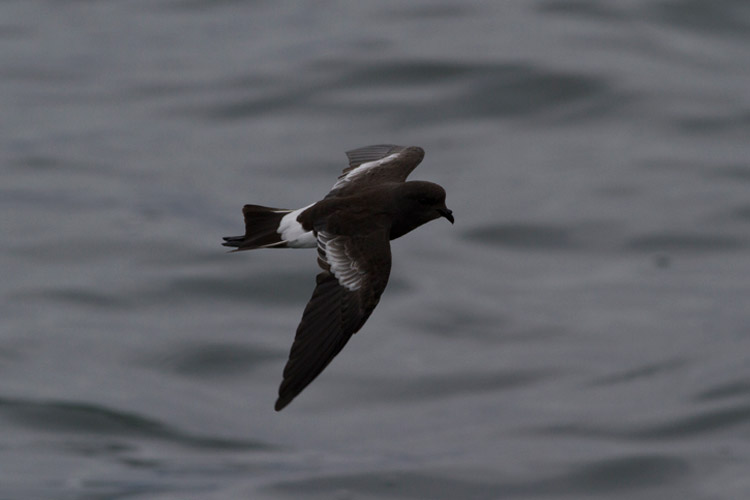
{"points": [[375, 165], [335, 311]]}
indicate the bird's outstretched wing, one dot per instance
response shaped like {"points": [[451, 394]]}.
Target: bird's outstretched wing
{"points": [[355, 273], [372, 165]]}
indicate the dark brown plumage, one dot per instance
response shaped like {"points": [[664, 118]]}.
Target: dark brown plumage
{"points": [[370, 204]]}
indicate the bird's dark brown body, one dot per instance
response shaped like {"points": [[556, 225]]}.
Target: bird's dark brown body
{"points": [[370, 204]]}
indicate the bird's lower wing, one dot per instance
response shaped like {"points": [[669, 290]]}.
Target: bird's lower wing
{"points": [[355, 273]]}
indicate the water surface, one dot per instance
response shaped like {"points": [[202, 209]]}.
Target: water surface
{"points": [[582, 331]]}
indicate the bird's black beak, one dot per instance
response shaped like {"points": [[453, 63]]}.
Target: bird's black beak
{"points": [[447, 213]]}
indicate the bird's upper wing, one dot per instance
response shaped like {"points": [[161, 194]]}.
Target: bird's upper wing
{"points": [[355, 273], [376, 164]]}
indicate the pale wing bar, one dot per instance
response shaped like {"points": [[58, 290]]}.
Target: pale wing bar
{"points": [[374, 165], [336, 310], [370, 153], [333, 252]]}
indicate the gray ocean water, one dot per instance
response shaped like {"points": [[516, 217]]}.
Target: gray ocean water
{"points": [[582, 331]]}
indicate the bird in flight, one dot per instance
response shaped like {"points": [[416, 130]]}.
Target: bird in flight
{"points": [[370, 204]]}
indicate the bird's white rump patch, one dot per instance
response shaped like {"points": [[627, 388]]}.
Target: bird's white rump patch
{"points": [[292, 232], [363, 169]]}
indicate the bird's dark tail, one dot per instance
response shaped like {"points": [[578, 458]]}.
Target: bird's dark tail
{"points": [[261, 229]]}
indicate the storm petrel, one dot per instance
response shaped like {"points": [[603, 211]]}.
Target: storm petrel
{"points": [[370, 204]]}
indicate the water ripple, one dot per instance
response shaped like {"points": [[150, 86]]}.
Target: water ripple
{"points": [[719, 17], [581, 9], [406, 90], [664, 242], [278, 287], [455, 384], [212, 359], [693, 425], [89, 419], [739, 388], [646, 371], [521, 235], [605, 476], [680, 427]]}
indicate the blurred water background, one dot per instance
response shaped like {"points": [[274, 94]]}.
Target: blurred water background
{"points": [[581, 332]]}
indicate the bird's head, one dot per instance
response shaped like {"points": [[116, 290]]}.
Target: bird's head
{"points": [[425, 201]]}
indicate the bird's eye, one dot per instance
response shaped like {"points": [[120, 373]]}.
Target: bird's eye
{"points": [[425, 201]]}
